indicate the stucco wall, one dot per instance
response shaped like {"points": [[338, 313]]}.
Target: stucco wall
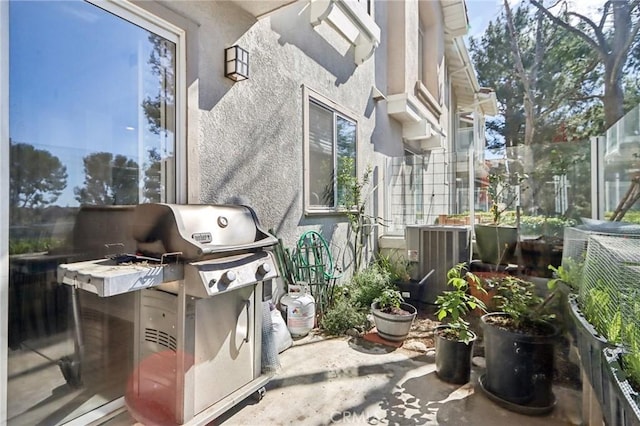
{"points": [[249, 134]]}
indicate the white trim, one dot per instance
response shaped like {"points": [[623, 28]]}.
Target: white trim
{"points": [[139, 16], [351, 21], [4, 206], [100, 414]]}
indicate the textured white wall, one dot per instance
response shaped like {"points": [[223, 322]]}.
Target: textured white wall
{"points": [[245, 139]]}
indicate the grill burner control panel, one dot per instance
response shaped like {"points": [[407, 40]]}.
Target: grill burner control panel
{"points": [[210, 277]]}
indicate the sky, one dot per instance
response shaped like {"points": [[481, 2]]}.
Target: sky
{"points": [[78, 75]]}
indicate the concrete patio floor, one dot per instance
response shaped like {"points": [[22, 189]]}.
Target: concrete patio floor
{"points": [[352, 381]]}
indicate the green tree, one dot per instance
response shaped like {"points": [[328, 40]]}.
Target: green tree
{"points": [[108, 180], [541, 75], [613, 38], [153, 177], [160, 108], [36, 177]]}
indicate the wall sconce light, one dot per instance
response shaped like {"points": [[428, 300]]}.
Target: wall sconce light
{"points": [[236, 63]]}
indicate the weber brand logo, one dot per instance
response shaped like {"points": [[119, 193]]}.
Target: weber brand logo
{"points": [[202, 237]]}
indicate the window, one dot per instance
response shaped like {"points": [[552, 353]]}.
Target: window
{"points": [[330, 146]]}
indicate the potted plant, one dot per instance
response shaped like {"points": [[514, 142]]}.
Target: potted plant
{"points": [[392, 316], [519, 349], [496, 242], [454, 340]]}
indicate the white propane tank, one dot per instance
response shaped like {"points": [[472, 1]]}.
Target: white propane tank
{"points": [[300, 308]]}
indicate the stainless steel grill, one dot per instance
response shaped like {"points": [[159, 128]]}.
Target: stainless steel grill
{"points": [[199, 276]]}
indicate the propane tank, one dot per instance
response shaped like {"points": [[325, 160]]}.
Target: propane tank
{"points": [[300, 308]]}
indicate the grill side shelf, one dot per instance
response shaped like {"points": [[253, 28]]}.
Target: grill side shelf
{"points": [[105, 278]]}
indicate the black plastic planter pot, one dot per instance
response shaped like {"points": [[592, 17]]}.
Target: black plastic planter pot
{"points": [[622, 408], [590, 346], [519, 368], [453, 358]]}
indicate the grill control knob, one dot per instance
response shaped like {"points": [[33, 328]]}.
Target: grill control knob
{"points": [[264, 269], [228, 277]]}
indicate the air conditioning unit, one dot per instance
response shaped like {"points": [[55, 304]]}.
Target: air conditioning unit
{"points": [[437, 248]]}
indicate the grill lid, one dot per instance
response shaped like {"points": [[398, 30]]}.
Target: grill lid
{"points": [[197, 230]]}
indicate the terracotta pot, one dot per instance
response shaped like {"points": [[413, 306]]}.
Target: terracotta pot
{"points": [[490, 291]]}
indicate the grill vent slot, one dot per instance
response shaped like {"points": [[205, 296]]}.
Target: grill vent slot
{"points": [[161, 338]]}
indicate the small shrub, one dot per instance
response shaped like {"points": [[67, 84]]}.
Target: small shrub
{"points": [[517, 298], [365, 286], [399, 269], [598, 301], [343, 316]]}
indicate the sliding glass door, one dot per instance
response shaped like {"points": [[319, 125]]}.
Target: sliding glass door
{"points": [[92, 128]]}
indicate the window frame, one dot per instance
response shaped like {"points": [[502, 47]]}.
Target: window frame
{"points": [[312, 96], [135, 15], [422, 35], [4, 207], [151, 22]]}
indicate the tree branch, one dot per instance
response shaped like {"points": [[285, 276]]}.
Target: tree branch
{"points": [[605, 12], [586, 98], [539, 52], [621, 56], [600, 49], [596, 28], [515, 49]]}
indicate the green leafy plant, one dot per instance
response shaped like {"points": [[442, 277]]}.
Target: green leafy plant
{"points": [[352, 201], [455, 304], [598, 301], [23, 246], [541, 225], [399, 269], [569, 273], [389, 300], [352, 303], [368, 284], [344, 315], [517, 298], [631, 364]]}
